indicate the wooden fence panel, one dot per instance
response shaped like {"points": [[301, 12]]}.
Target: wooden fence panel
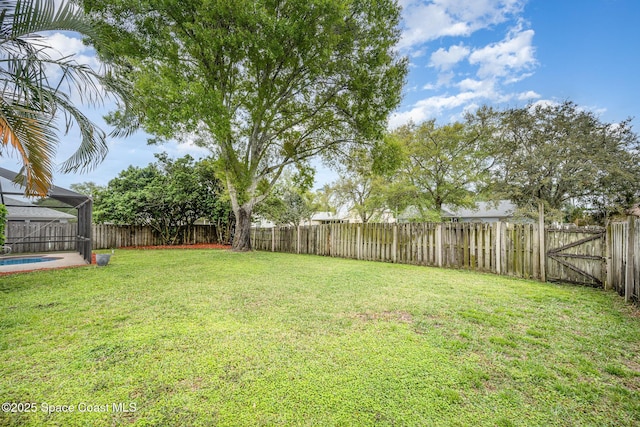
{"points": [[623, 274], [108, 236], [31, 237]]}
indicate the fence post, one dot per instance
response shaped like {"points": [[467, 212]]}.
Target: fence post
{"points": [[359, 241], [542, 245], [439, 245], [253, 240], [498, 247], [394, 247], [608, 258], [273, 239], [628, 285]]}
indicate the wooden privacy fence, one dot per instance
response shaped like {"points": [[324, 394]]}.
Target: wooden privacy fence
{"points": [[41, 237], [107, 236], [455, 245], [48, 237], [604, 257], [593, 256]]}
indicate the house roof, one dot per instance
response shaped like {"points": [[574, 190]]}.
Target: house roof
{"points": [[501, 209], [8, 186], [325, 216], [18, 210]]}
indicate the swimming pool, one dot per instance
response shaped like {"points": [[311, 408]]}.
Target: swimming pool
{"points": [[26, 260]]}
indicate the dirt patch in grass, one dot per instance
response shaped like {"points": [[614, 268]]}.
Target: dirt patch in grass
{"points": [[386, 316], [634, 366]]}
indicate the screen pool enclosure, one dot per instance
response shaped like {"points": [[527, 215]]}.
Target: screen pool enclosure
{"points": [[79, 239]]}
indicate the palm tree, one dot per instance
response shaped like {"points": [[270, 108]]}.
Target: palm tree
{"points": [[36, 90]]}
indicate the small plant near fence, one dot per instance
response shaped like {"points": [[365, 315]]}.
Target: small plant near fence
{"points": [[3, 221]]}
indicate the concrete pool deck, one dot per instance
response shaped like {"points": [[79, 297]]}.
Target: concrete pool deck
{"points": [[62, 260]]}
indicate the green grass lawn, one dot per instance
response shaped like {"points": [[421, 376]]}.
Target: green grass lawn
{"points": [[219, 338]]}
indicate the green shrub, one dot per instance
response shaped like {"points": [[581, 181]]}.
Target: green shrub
{"points": [[3, 221]]}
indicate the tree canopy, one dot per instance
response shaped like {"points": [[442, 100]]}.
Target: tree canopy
{"points": [[563, 155], [169, 196], [290, 202], [444, 164], [265, 84]]}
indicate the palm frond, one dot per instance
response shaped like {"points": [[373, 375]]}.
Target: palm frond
{"points": [[36, 16], [93, 146], [36, 89], [30, 134]]}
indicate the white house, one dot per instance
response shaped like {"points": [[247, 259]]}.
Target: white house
{"points": [[319, 218]]}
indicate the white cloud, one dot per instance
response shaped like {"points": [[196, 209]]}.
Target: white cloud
{"points": [[528, 96], [61, 45], [473, 85], [512, 55], [426, 20], [495, 66], [445, 59], [445, 79], [450, 107], [431, 107]]}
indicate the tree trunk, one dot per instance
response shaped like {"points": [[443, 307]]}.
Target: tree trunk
{"points": [[242, 234]]}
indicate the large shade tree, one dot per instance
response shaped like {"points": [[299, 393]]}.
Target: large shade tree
{"points": [[264, 83], [445, 164], [38, 90], [561, 154]]}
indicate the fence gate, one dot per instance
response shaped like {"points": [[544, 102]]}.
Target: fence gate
{"points": [[576, 255]]}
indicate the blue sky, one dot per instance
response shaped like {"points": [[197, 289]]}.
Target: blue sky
{"points": [[464, 54]]}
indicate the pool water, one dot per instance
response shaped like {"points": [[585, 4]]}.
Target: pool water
{"points": [[25, 260]]}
